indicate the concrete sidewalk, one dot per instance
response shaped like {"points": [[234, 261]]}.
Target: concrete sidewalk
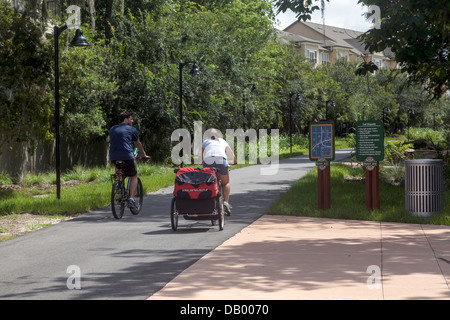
{"points": [[281, 257]]}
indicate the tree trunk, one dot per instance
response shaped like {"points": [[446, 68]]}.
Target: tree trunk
{"points": [[108, 15]]}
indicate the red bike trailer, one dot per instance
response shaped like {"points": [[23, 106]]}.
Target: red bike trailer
{"points": [[197, 196]]}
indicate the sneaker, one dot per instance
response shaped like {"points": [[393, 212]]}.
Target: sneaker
{"points": [[227, 208], [132, 204]]}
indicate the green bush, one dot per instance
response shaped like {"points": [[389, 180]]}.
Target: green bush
{"points": [[5, 178], [394, 152], [427, 134]]}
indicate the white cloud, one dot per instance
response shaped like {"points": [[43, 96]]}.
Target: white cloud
{"points": [[346, 14]]}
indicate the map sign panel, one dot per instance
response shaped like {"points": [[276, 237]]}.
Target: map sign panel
{"points": [[321, 141], [369, 140]]}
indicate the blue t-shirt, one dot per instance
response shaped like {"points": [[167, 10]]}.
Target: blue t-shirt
{"points": [[122, 137]]}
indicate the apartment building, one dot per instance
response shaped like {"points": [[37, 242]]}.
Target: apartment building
{"points": [[326, 44]]}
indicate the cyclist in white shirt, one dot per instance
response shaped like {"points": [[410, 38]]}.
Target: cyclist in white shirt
{"points": [[214, 152]]}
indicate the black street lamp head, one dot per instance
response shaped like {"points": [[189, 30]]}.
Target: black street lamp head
{"points": [[194, 70], [79, 40]]}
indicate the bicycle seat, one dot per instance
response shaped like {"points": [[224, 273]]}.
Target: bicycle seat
{"points": [[119, 163]]}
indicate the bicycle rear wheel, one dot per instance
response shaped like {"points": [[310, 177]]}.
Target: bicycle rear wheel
{"points": [[174, 215], [139, 198], [219, 208], [117, 201]]}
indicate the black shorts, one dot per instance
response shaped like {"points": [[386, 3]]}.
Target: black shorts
{"points": [[221, 168], [129, 167]]}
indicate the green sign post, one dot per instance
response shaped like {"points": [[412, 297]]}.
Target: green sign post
{"points": [[370, 150], [369, 140]]}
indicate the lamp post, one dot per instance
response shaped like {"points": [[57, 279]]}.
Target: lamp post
{"points": [[297, 98], [193, 71], [252, 90], [78, 41], [434, 120], [385, 110], [410, 113], [326, 107]]}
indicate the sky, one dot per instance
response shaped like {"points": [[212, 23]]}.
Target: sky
{"points": [[338, 13]]}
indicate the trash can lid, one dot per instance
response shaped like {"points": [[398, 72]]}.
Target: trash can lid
{"points": [[424, 161]]}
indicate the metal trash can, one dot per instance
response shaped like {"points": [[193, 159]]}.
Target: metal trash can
{"points": [[424, 188]]}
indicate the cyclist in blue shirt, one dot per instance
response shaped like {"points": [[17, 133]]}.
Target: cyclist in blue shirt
{"points": [[123, 138]]}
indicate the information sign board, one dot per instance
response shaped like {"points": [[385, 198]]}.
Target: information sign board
{"points": [[321, 141], [369, 140]]}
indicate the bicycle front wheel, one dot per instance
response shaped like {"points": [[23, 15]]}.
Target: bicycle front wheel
{"points": [[139, 198], [174, 215], [117, 202], [219, 208]]}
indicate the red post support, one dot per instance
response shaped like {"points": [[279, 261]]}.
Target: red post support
{"points": [[373, 188], [320, 188], [376, 187], [368, 189], [324, 187], [327, 187]]}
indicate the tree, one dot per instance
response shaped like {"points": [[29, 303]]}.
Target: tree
{"points": [[25, 73], [228, 43], [419, 36], [303, 9], [417, 32], [86, 92], [365, 69]]}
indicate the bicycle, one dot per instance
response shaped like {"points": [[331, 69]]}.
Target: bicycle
{"points": [[220, 210], [120, 193]]}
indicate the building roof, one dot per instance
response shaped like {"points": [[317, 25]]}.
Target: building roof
{"points": [[338, 35], [288, 37], [358, 45], [330, 36]]}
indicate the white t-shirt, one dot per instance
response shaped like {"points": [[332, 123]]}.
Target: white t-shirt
{"points": [[215, 151]]}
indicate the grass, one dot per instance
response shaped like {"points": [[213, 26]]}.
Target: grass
{"points": [[82, 190], [348, 200], [88, 189]]}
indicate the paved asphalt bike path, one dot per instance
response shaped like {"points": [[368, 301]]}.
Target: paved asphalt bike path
{"points": [[136, 256]]}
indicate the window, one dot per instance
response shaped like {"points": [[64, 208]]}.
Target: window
{"points": [[51, 7], [377, 62], [312, 55], [342, 55], [325, 57]]}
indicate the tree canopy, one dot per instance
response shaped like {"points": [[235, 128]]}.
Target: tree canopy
{"points": [[417, 32], [25, 71], [419, 35], [133, 64]]}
